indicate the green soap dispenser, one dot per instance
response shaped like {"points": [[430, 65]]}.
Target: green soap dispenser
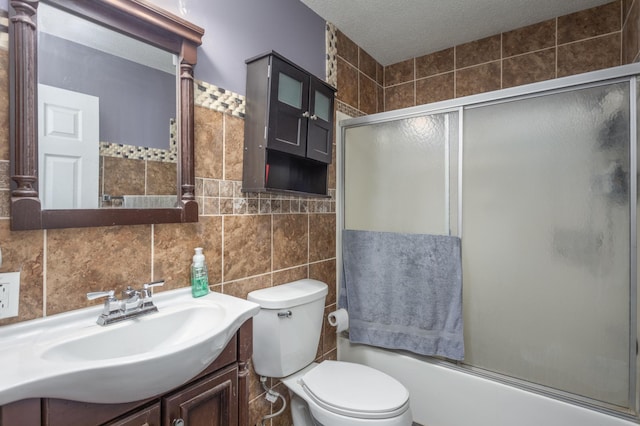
{"points": [[199, 276]]}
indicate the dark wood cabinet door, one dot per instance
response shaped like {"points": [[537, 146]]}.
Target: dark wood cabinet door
{"points": [[149, 416], [24, 413], [320, 132], [62, 412], [288, 108], [212, 401]]}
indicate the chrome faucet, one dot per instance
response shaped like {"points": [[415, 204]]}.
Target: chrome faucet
{"points": [[133, 304], [131, 300]]}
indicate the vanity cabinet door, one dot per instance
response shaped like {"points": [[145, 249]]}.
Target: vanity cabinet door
{"points": [[149, 416], [62, 412], [212, 401], [24, 413]]}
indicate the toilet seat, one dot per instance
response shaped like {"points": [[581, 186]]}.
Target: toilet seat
{"points": [[355, 390]]}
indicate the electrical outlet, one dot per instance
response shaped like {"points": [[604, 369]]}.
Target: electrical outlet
{"points": [[9, 294], [4, 298]]}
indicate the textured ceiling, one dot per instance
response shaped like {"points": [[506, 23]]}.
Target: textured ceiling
{"points": [[392, 31]]}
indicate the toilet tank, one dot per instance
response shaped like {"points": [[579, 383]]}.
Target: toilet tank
{"points": [[287, 329]]}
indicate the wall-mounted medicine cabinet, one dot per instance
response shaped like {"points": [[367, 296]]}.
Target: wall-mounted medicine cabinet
{"points": [[288, 128]]}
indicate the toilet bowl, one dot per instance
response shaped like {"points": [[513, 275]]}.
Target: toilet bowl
{"points": [[286, 333], [343, 394]]}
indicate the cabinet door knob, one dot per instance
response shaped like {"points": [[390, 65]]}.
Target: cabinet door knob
{"points": [[177, 422], [305, 114], [313, 117]]}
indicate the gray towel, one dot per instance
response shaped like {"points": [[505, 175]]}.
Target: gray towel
{"points": [[403, 291]]}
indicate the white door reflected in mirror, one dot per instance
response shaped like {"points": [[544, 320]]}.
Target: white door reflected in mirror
{"points": [[68, 128]]}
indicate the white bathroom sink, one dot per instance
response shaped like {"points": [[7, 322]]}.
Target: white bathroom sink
{"points": [[69, 356], [171, 327]]}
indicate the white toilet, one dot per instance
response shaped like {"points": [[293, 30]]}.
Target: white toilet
{"points": [[286, 333]]}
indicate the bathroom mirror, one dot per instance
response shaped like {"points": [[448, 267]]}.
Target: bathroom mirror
{"points": [[128, 37]]}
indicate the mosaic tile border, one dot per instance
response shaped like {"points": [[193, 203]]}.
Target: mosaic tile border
{"points": [[331, 38], [348, 109], [134, 152], [225, 197], [210, 96], [5, 189], [4, 30]]}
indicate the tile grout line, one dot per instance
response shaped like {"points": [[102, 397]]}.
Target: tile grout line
{"points": [[556, 46], [289, 268], [146, 174], [622, 21], [415, 87], [152, 251], [358, 81], [224, 143], [610, 33], [308, 241], [271, 247], [455, 72], [384, 88], [501, 60], [222, 282], [44, 273]]}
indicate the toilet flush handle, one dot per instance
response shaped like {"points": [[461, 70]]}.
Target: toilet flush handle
{"points": [[285, 314]]}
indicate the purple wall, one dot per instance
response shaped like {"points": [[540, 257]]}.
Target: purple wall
{"points": [[236, 30]]}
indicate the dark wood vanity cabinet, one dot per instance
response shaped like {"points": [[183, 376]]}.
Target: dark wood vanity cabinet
{"points": [[211, 401], [288, 128], [219, 396]]}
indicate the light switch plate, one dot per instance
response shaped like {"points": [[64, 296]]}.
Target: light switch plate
{"points": [[9, 294]]}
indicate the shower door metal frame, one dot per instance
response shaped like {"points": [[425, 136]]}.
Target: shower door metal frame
{"points": [[626, 73]]}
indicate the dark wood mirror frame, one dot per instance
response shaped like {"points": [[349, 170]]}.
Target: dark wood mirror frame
{"points": [[135, 18]]}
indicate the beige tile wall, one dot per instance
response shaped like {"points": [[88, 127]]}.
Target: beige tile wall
{"points": [[130, 176], [360, 79], [592, 39]]}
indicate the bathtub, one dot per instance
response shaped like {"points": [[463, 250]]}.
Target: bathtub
{"points": [[442, 396]]}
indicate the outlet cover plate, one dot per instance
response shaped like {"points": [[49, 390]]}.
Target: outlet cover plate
{"points": [[9, 294]]}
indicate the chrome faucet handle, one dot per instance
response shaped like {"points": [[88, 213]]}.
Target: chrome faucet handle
{"points": [[153, 284], [98, 294], [147, 289], [111, 305]]}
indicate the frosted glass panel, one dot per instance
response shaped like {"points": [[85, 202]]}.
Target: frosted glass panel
{"points": [[289, 91], [546, 240], [322, 106], [397, 175]]}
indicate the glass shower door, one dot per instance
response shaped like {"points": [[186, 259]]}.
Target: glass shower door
{"points": [[546, 240], [400, 173]]}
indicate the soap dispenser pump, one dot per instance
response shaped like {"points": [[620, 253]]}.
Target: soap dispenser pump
{"points": [[199, 276]]}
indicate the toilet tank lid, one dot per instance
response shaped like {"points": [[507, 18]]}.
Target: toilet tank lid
{"points": [[289, 295]]}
